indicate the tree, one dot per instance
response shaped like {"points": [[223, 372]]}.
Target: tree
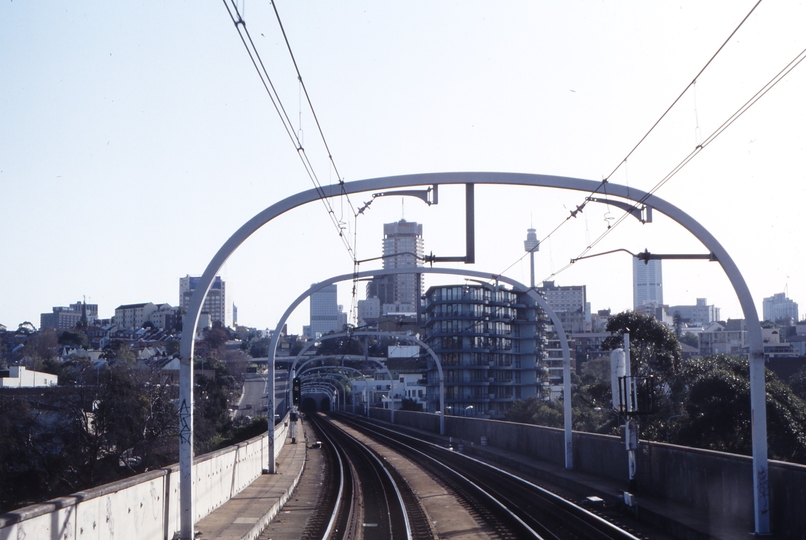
{"points": [[655, 352], [409, 404], [678, 324], [654, 349], [718, 410], [120, 352], [690, 339], [216, 337], [798, 383], [535, 411], [259, 347], [41, 346], [26, 328], [73, 338]]}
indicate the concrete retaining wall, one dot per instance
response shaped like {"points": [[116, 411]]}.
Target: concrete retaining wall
{"points": [[719, 484], [146, 505]]}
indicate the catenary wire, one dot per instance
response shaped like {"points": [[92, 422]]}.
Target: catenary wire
{"points": [[602, 185], [711, 138], [354, 297], [257, 62]]}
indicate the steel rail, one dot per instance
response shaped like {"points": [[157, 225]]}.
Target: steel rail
{"points": [[370, 455], [601, 524]]}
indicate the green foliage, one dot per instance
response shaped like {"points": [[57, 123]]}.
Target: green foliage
{"points": [[535, 411], [690, 339], [718, 410], [82, 439], [72, 338], [216, 337], [119, 352], [409, 404], [211, 419], [654, 349], [258, 426], [259, 348], [798, 383], [340, 345]]}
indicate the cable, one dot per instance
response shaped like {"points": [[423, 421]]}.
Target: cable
{"points": [[602, 185], [711, 138], [265, 79], [310, 104], [354, 301]]}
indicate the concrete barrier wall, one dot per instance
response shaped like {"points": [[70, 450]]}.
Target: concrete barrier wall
{"points": [[146, 505]]}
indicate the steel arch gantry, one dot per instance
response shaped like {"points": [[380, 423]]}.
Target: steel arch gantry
{"points": [[404, 337], [756, 353], [325, 357], [337, 370], [313, 387], [539, 300], [315, 377]]}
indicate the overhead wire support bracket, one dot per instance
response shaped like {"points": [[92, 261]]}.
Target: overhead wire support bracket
{"points": [[422, 194], [642, 213], [646, 256]]}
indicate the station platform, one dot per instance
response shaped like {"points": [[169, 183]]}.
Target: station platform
{"points": [[244, 516]]}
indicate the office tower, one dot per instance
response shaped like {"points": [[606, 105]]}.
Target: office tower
{"points": [[780, 308], [68, 317], [531, 244], [326, 313], [647, 283], [569, 303], [215, 303], [402, 248]]}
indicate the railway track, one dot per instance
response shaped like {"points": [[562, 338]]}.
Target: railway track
{"points": [[372, 500], [510, 506]]}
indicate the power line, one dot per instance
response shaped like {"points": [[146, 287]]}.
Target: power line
{"points": [[265, 79], [354, 298], [603, 185], [711, 138]]}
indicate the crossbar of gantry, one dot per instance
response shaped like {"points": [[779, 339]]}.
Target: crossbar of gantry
{"points": [[756, 353]]}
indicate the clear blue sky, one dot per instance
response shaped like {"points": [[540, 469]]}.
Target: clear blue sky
{"points": [[136, 138]]}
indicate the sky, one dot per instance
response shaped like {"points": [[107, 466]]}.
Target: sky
{"points": [[136, 138]]}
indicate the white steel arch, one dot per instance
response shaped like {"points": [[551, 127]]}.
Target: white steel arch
{"points": [[539, 300], [757, 385]]}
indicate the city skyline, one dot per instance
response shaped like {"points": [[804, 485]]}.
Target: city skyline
{"points": [[134, 149]]}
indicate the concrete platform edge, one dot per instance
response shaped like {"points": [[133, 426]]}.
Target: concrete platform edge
{"points": [[276, 507]]}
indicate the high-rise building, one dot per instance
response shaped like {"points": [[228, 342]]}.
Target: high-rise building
{"points": [[569, 304], [68, 317], [780, 308], [215, 303], [488, 339], [326, 313], [402, 248], [699, 314], [647, 283]]}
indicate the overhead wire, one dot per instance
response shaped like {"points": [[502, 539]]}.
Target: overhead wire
{"points": [[711, 138], [603, 184], [354, 305], [268, 85]]}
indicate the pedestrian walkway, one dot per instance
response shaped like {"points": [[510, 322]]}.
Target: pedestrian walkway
{"points": [[245, 515]]}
